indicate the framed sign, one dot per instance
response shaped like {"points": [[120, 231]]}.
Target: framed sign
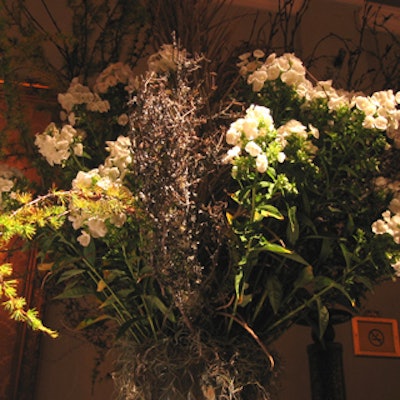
{"points": [[375, 337]]}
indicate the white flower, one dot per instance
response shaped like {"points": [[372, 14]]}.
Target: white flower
{"points": [[97, 227], [381, 182], [381, 123], [84, 239], [365, 104], [262, 115], [293, 127], [120, 153], [55, 145], [394, 206], [369, 122], [118, 219], [6, 185], [104, 183], [112, 75], [232, 154], [71, 118], [314, 131], [379, 227], [258, 53], [78, 149], [292, 77], [85, 180], [233, 135], [261, 163], [166, 59], [253, 149], [98, 105], [257, 79], [281, 157], [250, 127]]}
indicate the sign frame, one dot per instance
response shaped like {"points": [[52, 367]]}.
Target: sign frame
{"points": [[377, 337]]}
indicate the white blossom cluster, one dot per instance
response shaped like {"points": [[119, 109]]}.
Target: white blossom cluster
{"points": [[8, 178], [380, 112], [255, 135], [166, 59], [390, 221], [114, 74], [117, 163], [380, 108], [78, 94], [287, 67], [57, 145], [95, 184]]}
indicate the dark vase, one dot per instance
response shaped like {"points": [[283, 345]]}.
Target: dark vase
{"points": [[325, 359]]}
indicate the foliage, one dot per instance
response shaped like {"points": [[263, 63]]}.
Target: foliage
{"points": [[16, 305], [203, 251], [164, 240], [306, 160]]}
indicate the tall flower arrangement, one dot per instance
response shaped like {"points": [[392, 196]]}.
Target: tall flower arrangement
{"points": [[199, 253]]}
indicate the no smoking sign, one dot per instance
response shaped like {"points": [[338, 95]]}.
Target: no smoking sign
{"points": [[376, 337]]}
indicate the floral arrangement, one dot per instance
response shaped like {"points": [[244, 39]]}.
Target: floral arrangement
{"points": [[311, 163], [202, 253]]}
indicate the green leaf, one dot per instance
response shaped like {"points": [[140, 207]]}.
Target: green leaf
{"points": [[285, 252], [91, 321], [156, 302], [260, 305], [268, 210], [275, 292], [323, 282], [346, 255], [70, 274], [74, 292], [273, 248], [368, 283], [326, 248], [305, 277], [323, 318], [292, 231], [296, 257], [238, 282]]}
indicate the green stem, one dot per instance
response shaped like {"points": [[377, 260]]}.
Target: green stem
{"points": [[300, 308], [243, 269]]}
